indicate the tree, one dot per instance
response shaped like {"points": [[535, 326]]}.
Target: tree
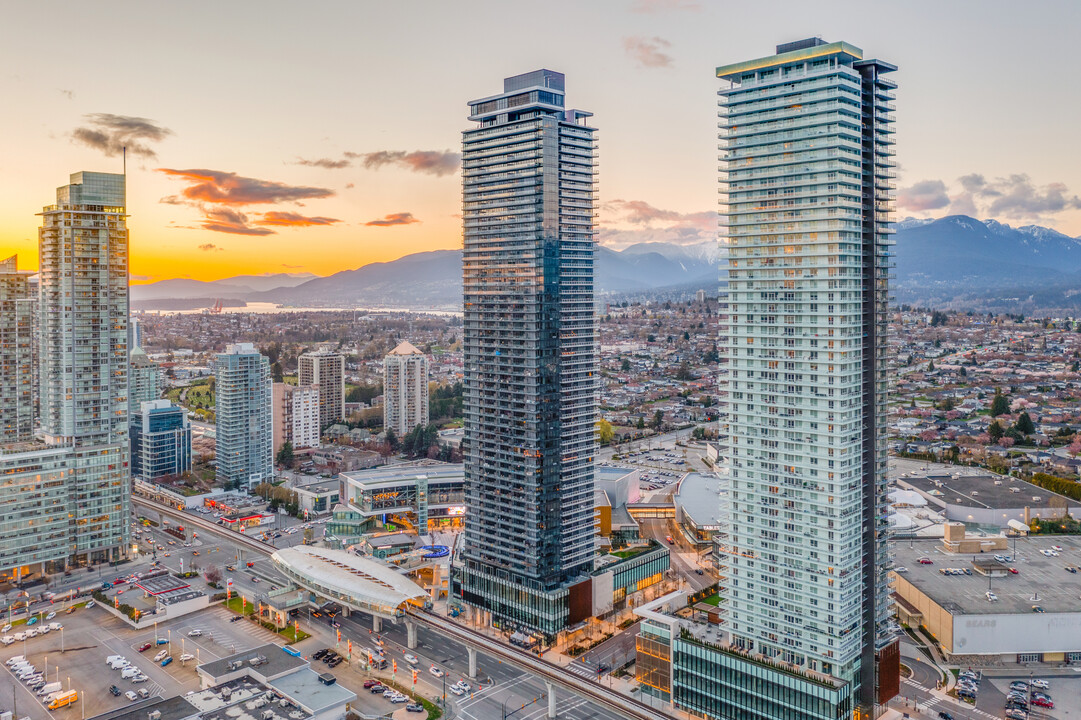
{"points": [[276, 372], [641, 425], [212, 574], [392, 439], [964, 373], [285, 454], [625, 366], [995, 431], [684, 372], [605, 433], [658, 420], [999, 405], [931, 366], [1024, 424]]}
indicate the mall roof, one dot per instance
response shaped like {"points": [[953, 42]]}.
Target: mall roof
{"points": [[984, 490], [699, 494], [349, 574], [162, 584], [1037, 576]]}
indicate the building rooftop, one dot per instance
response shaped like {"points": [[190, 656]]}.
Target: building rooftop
{"points": [[174, 708], [271, 661], [162, 584], [1039, 577], [978, 489], [405, 348], [312, 695], [699, 496], [347, 575]]}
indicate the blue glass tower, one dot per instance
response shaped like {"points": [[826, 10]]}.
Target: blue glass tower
{"points": [[530, 353]]}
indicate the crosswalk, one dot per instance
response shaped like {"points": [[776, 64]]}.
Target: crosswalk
{"points": [[937, 700], [582, 670]]}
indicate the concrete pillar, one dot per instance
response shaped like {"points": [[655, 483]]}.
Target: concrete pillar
{"points": [[345, 611], [551, 699], [410, 634], [472, 661], [377, 623]]}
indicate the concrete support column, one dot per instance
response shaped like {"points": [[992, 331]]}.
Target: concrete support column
{"points": [[472, 661], [551, 699], [377, 623], [410, 634], [345, 611]]}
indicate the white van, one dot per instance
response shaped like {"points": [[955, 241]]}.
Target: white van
{"points": [[129, 671], [14, 661], [7, 639], [55, 626], [20, 636], [121, 663], [113, 658], [50, 688]]}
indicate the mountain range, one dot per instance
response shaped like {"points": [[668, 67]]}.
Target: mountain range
{"points": [[952, 262]]}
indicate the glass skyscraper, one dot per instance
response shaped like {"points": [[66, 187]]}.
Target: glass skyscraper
{"points": [[807, 185], [17, 309], [70, 498], [530, 353], [243, 395], [160, 441]]}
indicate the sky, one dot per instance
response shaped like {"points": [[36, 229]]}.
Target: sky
{"points": [[268, 137]]}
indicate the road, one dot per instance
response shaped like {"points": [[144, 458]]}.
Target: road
{"points": [[683, 557], [507, 684]]}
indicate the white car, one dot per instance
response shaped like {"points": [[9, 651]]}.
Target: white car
{"points": [[1042, 684], [5, 628], [195, 633], [90, 604], [7, 639], [131, 696], [466, 687], [161, 656], [186, 656], [50, 616], [140, 678], [991, 597], [411, 659], [456, 690], [435, 671]]}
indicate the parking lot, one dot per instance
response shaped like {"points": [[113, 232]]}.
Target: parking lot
{"points": [[92, 635], [1064, 689]]}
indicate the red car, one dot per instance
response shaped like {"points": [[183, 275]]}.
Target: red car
{"points": [[118, 581], [251, 564], [1042, 702], [1013, 571], [925, 561], [145, 646]]}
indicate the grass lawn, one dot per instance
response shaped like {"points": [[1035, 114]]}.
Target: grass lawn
{"points": [[238, 607], [235, 605], [292, 637], [713, 600]]}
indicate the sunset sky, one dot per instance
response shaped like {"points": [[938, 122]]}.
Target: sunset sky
{"points": [[314, 137]]}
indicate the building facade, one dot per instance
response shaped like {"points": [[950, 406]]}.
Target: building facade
{"points": [[806, 183], [326, 370], [405, 389], [160, 441], [529, 353], [243, 396], [144, 381], [17, 391], [83, 357], [296, 416]]}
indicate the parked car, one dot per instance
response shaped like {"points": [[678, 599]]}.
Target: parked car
{"points": [[195, 633], [414, 707], [114, 690], [131, 696], [145, 646], [377, 688], [926, 561], [1042, 684], [166, 661], [161, 656]]}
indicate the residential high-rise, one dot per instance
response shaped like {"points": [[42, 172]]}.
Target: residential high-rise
{"points": [[16, 354], [244, 448], [530, 353], [160, 441], [405, 389], [326, 370], [144, 383], [70, 498], [296, 416], [806, 182]]}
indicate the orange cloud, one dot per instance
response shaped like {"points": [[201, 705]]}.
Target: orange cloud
{"points": [[292, 219], [394, 219], [226, 188]]}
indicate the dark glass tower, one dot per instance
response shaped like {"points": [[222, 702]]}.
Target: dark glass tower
{"points": [[530, 339]]}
